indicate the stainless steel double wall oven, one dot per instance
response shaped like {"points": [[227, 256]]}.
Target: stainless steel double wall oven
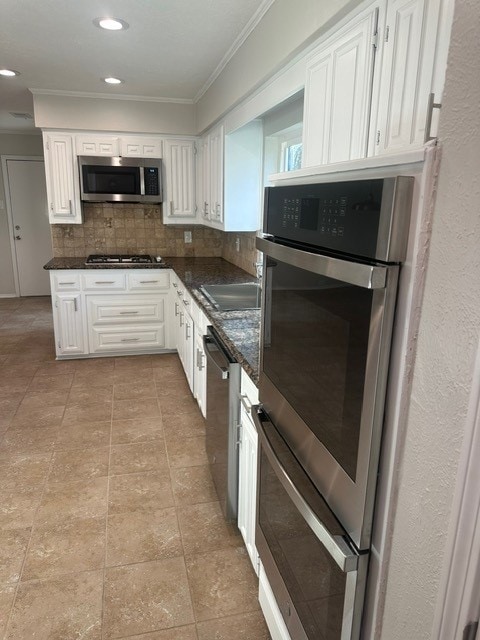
{"points": [[331, 263]]}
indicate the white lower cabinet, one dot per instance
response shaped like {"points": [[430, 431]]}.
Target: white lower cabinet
{"points": [[189, 326], [270, 610], [200, 373], [111, 311], [247, 468], [69, 325]]}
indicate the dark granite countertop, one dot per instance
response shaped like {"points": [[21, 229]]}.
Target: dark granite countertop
{"points": [[239, 330]]}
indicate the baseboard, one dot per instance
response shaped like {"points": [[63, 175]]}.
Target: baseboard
{"points": [[8, 295]]}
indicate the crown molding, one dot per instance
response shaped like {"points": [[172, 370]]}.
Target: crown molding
{"points": [[107, 96], [246, 31]]}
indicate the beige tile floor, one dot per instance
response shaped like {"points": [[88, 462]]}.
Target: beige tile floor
{"points": [[109, 522]]}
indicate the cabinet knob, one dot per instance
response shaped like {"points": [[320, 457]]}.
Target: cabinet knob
{"points": [[18, 237]]}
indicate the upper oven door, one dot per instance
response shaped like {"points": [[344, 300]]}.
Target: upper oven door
{"points": [[324, 359]]}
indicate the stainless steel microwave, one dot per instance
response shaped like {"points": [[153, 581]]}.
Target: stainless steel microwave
{"points": [[120, 179]]}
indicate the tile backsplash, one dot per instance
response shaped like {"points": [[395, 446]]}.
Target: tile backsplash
{"points": [[139, 228]]}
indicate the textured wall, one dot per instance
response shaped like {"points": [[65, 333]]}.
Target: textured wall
{"points": [[447, 342], [127, 228]]}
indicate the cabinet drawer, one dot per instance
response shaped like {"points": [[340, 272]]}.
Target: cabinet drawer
{"points": [[115, 310], [153, 280], [104, 280], [65, 281], [118, 339]]}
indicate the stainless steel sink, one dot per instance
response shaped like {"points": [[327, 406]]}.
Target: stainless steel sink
{"points": [[233, 297]]}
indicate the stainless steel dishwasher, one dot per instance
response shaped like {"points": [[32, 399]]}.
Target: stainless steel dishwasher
{"points": [[223, 389]]}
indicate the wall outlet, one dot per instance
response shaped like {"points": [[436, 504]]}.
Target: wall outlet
{"points": [[187, 235], [237, 244]]}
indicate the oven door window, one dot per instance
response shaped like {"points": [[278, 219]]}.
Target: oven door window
{"points": [[111, 180], [316, 338]]}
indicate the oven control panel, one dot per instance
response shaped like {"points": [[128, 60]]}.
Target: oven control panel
{"points": [[350, 217]]}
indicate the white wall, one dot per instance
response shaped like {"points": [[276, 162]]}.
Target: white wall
{"points": [[101, 114], [18, 145], [448, 338], [284, 30]]}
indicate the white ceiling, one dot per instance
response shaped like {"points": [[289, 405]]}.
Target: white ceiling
{"points": [[173, 48]]}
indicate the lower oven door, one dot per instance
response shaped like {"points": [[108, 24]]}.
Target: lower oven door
{"points": [[316, 574]]}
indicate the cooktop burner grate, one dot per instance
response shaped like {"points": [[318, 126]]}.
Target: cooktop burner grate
{"points": [[118, 259]]}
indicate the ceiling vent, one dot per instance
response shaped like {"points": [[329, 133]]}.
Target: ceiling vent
{"points": [[23, 116]]}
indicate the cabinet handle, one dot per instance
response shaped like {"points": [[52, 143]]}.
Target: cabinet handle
{"points": [[171, 207], [65, 283], [181, 319], [179, 293], [174, 284], [70, 207], [187, 327], [186, 302], [104, 281], [205, 209], [246, 403], [75, 304], [176, 309], [129, 339], [428, 122], [200, 364], [128, 313], [148, 281]]}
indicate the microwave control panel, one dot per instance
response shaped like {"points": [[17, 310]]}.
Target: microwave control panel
{"points": [[152, 185]]}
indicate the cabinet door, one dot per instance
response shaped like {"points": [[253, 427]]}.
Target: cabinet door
{"points": [[216, 174], [200, 374], [203, 179], [138, 147], [97, 146], [62, 179], [247, 485], [69, 333], [338, 94], [188, 353], [407, 72], [180, 181]]}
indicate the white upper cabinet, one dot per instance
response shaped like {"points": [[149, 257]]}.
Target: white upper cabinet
{"points": [[203, 179], [140, 147], [229, 172], [338, 93], [179, 201], [61, 170], [216, 146], [409, 42], [97, 145]]}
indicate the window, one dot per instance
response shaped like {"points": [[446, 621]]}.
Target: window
{"points": [[291, 155]]}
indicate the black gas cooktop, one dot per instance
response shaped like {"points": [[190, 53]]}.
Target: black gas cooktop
{"points": [[118, 259]]}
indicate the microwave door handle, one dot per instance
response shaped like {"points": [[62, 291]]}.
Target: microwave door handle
{"points": [[346, 559], [355, 273], [142, 180]]}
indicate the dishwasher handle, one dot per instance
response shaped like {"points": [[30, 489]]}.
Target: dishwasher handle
{"points": [[215, 355]]}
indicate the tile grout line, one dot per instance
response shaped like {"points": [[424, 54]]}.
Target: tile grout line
{"points": [[27, 549], [178, 521], [102, 618]]}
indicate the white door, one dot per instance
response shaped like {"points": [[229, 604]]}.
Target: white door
{"points": [[31, 229]]}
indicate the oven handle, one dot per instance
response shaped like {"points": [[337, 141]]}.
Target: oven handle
{"points": [[356, 273], [336, 546]]}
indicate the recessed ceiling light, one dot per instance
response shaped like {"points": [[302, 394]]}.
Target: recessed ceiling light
{"points": [[111, 24], [112, 80], [9, 73]]}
